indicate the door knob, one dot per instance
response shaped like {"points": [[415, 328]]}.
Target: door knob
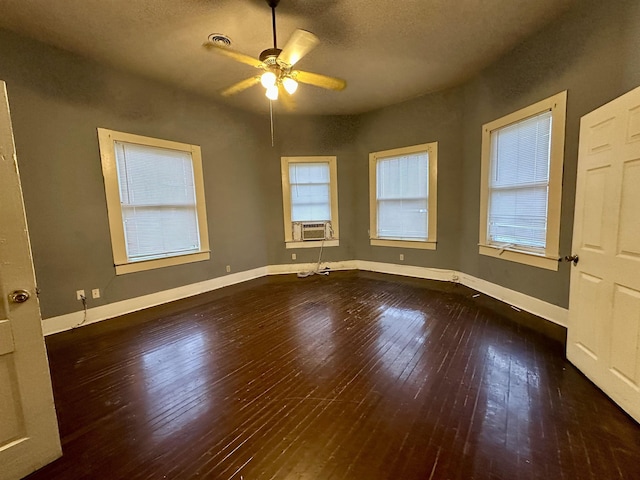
{"points": [[19, 296], [572, 258]]}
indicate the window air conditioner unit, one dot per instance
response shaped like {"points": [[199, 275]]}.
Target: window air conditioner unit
{"points": [[311, 231]]}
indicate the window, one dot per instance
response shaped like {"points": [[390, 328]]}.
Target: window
{"points": [[310, 199], [403, 196], [155, 201], [522, 157]]}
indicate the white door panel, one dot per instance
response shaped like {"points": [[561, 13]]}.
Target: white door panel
{"points": [[590, 293], [625, 329], [596, 185], [28, 428], [629, 227], [604, 307]]}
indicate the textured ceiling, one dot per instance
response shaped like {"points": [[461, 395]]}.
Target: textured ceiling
{"points": [[386, 51]]}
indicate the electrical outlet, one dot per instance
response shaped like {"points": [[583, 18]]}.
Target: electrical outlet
{"points": [[80, 294], [228, 268], [401, 256], [95, 293], [293, 256]]}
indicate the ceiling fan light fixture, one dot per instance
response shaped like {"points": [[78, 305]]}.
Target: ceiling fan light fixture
{"points": [[272, 92], [268, 79], [290, 85], [276, 64]]}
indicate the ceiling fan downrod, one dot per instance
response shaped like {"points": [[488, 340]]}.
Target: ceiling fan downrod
{"points": [[270, 55], [273, 4]]}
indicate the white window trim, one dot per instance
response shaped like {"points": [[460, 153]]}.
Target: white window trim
{"points": [[314, 244], [428, 244], [106, 140], [557, 104], [286, 200]]}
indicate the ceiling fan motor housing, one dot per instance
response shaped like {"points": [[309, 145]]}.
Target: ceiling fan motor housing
{"points": [[270, 55]]}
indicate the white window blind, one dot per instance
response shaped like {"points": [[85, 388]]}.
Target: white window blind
{"points": [[519, 183], [402, 195], [310, 191], [158, 201]]}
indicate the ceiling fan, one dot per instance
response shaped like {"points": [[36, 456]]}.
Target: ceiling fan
{"points": [[279, 78]]}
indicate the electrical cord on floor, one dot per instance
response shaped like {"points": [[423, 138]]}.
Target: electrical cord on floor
{"points": [[317, 270], [84, 306]]}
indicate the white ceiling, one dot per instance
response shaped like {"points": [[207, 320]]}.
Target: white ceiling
{"points": [[387, 51]]}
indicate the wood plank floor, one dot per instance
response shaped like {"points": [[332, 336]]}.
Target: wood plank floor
{"points": [[339, 377]]}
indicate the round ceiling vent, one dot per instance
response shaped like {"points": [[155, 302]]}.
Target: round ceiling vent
{"points": [[220, 39]]}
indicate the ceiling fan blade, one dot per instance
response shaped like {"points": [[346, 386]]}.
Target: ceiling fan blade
{"points": [[286, 99], [240, 86], [318, 80], [237, 56], [300, 43]]}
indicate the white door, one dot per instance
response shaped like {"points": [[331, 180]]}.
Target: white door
{"points": [[604, 307], [28, 428]]}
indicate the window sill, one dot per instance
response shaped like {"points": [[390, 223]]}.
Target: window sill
{"points": [[519, 256], [161, 262], [423, 245], [313, 244]]}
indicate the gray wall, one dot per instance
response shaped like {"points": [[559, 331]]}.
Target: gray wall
{"points": [[433, 118], [308, 136], [58, 100], [592, 52]]}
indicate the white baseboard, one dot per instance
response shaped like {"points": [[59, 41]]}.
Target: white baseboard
{"points": [[540, 308], [310, 267], [104, 312], [519, 300], [409, 271]]}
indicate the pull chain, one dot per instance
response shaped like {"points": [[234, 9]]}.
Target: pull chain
{"points": [[271, 118]]}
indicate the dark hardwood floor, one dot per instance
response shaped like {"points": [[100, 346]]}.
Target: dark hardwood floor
{"points": [[338, 377]]}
